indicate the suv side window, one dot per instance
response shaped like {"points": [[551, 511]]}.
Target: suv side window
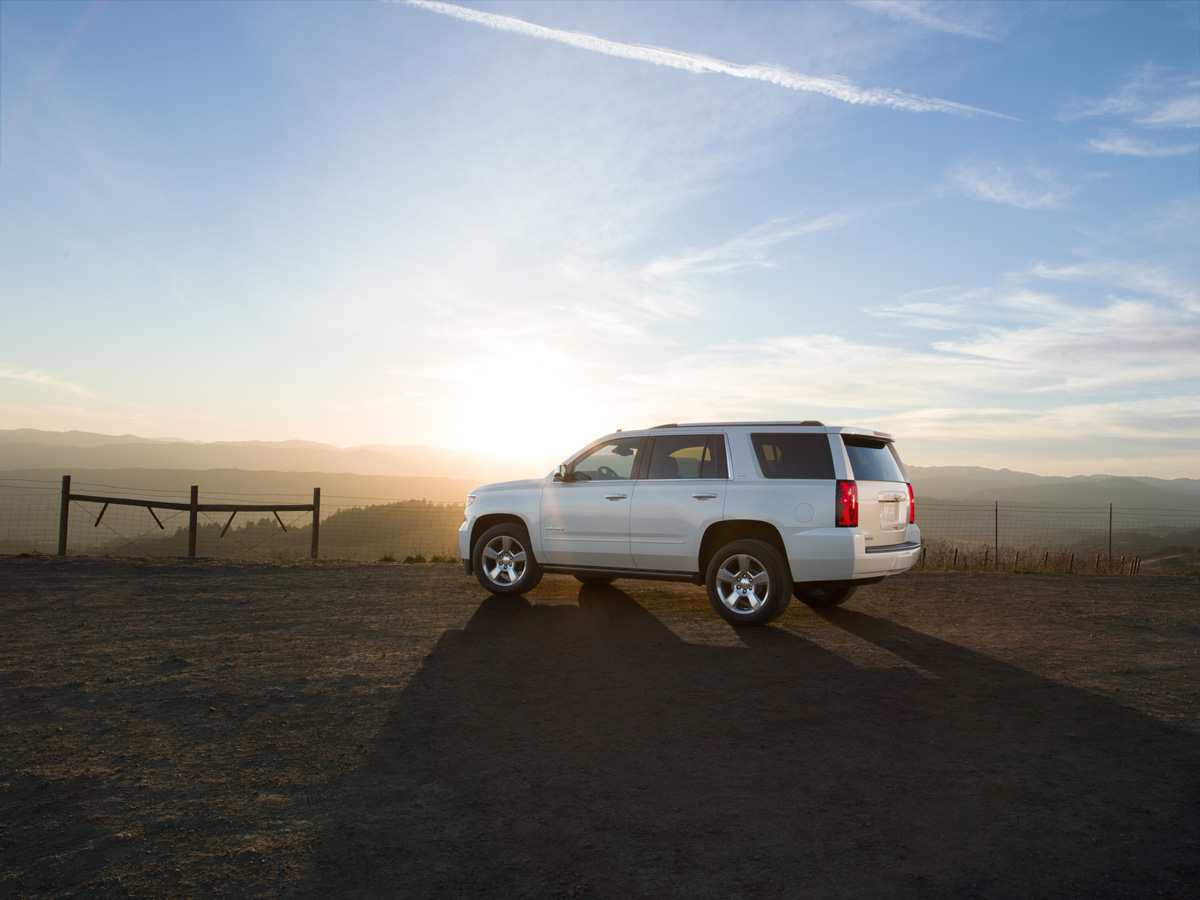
{"points": [[688, 456], [793, 455], [611, 460]]}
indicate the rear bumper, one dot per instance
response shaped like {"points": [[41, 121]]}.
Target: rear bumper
{"points": [[889, 560], [897, 548], [844, 554]]}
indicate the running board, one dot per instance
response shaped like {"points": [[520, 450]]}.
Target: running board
{"points": [[641, 574]]}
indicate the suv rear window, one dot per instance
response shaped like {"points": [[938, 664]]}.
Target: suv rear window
{"points": [[793, 455], [872, 460]]}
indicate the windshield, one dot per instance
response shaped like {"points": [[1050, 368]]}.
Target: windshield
{"points": [[611, 460]]}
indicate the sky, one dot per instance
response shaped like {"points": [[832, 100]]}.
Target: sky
{"points": [[512, 227]]}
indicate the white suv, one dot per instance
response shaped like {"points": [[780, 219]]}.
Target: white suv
{"points": [[755, 511]]}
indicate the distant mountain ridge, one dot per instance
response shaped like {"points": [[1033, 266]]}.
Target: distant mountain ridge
{"points": [[980, 485], [420, 471], [27, 448]]}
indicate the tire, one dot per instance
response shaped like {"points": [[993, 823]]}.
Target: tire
{"points": [[503, 561], [748, 583], [594, 580], [824, 596]]}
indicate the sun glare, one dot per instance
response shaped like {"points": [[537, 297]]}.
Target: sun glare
{"points": [[531, 404]]}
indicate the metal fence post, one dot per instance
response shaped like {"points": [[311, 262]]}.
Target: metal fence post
{"points": [[64, 511], [193, 516], [316, 520], [996, 534]]}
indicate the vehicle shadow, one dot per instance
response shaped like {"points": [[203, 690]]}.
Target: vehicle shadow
{"points": [[586, 751]]}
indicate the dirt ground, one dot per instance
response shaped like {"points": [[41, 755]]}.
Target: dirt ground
{"points": [[329, 729]]}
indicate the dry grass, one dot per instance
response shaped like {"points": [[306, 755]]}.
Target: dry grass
{"points": [[317, 729]]}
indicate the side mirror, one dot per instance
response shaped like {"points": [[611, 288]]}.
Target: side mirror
{"points": [[563, 474]]}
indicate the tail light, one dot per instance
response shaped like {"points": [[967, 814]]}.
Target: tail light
{"points": [[847, 504], [912, 506]]}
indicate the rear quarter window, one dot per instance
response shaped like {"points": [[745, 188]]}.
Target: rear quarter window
{"points": [[872, 460], [793, 455]]}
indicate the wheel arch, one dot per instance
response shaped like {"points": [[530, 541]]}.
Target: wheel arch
{"points": [[483, 523], [721, 533]]}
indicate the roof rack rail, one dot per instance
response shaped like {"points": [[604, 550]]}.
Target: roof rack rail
{"points": [[813, 422]]}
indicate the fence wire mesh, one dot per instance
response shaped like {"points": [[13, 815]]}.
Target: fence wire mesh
{"points": [[956, 536], [1099, 539]]}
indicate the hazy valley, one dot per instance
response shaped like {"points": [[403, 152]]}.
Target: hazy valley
{"points": [[383, 472]]}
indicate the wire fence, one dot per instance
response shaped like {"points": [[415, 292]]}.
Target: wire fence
{"points": [[363, 528], [963, 537], [1102, 539]]}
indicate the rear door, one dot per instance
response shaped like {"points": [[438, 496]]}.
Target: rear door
{"points": [[883, 498], [681, 492]]}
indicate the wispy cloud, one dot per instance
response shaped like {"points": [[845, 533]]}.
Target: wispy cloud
{"points": [[959, 309], [1127, 145], [1152, 97], [1061, 357], [922, 14], [1128, 275], [760, 377], [828, 85], [1120, 343], [746, 250], [1027, 187], [1175, 417], [45, 380]]}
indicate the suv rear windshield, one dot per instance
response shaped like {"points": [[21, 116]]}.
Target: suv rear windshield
{"points": [[872, 460], [793, 455]]}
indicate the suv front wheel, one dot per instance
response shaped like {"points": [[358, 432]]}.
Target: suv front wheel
{"points": [[503, 561], [748, 583]]}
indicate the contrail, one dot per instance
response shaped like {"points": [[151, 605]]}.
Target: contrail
{"points": [[51, 66], [830, 85]]}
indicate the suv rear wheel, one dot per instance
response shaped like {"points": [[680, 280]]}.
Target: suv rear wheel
{"points": [[503, 562], [748, 583]]}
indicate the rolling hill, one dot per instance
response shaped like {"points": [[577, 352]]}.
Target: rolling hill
{"points": [[418, 472]]}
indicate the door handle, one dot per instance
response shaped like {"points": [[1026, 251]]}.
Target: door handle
{"points": [[704, 496], [615, 496]]}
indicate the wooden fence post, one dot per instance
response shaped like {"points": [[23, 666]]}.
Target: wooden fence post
{"points": [[193, 515], [64, 511], [316, 520]]}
